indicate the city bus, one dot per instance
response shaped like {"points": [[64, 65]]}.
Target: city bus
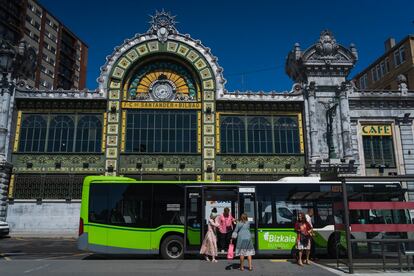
{"points": [[122, 215]]}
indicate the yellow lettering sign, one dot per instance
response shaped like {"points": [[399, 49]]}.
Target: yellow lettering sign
{"points": [[161, 105], [376, 130]]}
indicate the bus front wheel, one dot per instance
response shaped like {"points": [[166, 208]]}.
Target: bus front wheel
{"points": [[172, 247]]}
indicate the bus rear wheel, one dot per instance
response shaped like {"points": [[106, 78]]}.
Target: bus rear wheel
{"points": [[172, 247]]}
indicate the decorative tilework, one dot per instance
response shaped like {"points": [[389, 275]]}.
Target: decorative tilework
{"points": [[172, 46], [113, 118], [209, 153], [209, 105], [124, 63], [142, 49], [192, 56], [205, 73], [115, 84], [132, 55], [112, 140], [209, 141], [209, 129], [111, 152], [153, 46], [208, 84], [114, 94], [200, 64], [113, 129], [209, 95], [118, 73], [183, 50], [209, 118]]}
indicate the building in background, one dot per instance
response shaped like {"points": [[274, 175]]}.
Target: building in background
{"points": [[161, 112], [382, 74], [62, 56]]}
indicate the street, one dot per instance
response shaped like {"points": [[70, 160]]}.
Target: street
{"points": [[36, 256]]}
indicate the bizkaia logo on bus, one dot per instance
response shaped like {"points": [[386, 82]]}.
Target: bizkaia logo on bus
{"points": [[277, 239]]}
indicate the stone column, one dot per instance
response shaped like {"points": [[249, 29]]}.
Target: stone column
{"points": [[345, 120], [315, 154]]}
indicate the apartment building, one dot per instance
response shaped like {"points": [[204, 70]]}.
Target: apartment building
{"points": [[382, 73], [62, 56]]}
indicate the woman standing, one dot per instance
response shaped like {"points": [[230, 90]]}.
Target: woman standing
{"points": [[209, 245], [303, 240], [225, 229], [244, 245]]}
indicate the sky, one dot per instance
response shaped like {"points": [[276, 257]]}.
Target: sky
{"points": [[250, 38]]}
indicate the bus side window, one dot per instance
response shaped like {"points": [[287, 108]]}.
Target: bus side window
{"points": [[98, 203], [168, 205]]}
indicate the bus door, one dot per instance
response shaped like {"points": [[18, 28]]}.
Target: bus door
{"points": [[193, 219], [247, 203]]}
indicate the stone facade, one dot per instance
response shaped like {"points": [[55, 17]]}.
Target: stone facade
{"points": [[177, 85]]}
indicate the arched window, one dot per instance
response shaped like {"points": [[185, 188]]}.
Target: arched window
{"points": [[259, 132], [61, 132], [233, 135], [33, 134], [89, 134], [286, 134]]}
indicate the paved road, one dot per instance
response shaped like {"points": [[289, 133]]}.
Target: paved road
{"points": [[31, 256]]}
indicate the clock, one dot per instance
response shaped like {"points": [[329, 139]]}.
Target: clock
{"points": [[162, 90]]}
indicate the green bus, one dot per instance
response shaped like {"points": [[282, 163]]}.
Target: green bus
{"points": [[122, 215]]}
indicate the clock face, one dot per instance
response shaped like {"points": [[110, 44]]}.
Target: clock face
{"points": [[162, 91]]}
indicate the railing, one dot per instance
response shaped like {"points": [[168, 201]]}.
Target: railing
{"points": [[401, 246]]}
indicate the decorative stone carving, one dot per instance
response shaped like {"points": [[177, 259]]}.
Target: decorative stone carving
{"points": [[162, 25], [327, 48]]}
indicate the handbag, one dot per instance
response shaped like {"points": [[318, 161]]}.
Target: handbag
{"points": [[234, 234], [230, 251]]}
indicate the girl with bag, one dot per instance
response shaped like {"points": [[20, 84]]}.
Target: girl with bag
{"points": [[303, 240], [244, 245], [209, 245]]}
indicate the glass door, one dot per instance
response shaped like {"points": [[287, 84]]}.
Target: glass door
{"points": [[193, 219], [247, 202]]}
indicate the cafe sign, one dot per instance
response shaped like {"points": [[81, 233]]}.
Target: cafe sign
{"points": [[376, 130]]}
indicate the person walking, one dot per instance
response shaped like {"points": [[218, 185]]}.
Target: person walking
{"points": [[303, 240], [209, 245], [225, 228], [244, 244]]}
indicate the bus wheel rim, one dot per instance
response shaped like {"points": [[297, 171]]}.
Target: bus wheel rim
{"points": [[174, 249]]}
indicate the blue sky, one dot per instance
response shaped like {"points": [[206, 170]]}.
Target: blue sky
{"points": [[250, 38]]}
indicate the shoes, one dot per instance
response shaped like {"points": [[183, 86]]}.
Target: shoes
{"points": [[214, 261]]}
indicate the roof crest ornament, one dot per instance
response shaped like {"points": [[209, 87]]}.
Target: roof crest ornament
{"points": [[162, 25], [326, 47]]}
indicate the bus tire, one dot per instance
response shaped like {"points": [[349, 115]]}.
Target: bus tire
{"points": [[172, 247]]}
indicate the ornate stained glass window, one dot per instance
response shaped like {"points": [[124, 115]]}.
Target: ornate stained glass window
{"points": [[233, 135], [33, 134], [259, 132], [88, 134], [61, 134], [286, 133], [163, 81], [161, 131]]}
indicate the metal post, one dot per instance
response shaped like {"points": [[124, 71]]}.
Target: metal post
{"points": [[347, 227]]}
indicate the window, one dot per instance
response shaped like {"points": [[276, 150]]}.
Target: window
{"points": [[378, 150], [37, 25], [33, 134], [374, 74], [98, 203], [259, 131], [161, 131], [61, 133], [399, 56], [233, 135], [286, 133], [387, 65], [168, 205], [89, 134], [363, 82], [383, 72], [130, 205], [259, 134]]}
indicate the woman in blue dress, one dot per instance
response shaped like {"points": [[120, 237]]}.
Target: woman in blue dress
{"points": [[244, 245]]}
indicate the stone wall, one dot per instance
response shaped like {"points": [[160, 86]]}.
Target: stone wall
{"points": [[45, 219]]}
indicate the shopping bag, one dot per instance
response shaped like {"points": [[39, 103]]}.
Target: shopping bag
{"points": [[230, 251]]}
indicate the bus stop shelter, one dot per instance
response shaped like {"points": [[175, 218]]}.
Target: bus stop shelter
{"points": [[404, 247]]}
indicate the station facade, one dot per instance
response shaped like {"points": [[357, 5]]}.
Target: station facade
{"points": [[161, 112]]}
